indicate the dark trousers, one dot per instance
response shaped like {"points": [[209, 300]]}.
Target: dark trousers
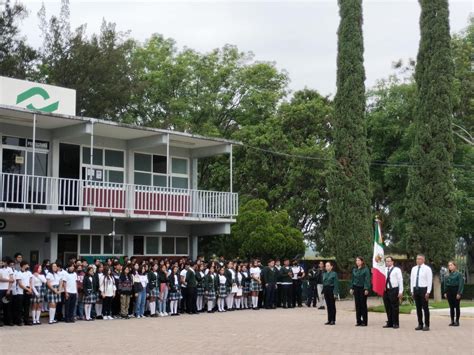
{"points": [[297, 293], [107, 306], [391, 303], [278, 296], [59, 308], [421, 305], [360, 304], [70, 306], [116, 304], [6, 308], [286, 295], [270, 295], [191, 300], [184, 299], [328, 292], [18, 309], [454, 303], [312, 295]]}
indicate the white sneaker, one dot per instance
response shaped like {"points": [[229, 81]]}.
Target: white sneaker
{"points": [[165, 314], [160, 314]]}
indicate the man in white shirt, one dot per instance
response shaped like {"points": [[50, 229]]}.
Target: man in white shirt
{"points": [[421, 280], [393, 293], [184, 290], [298, 275], [70, 293], [6, 284], [22, 298]]}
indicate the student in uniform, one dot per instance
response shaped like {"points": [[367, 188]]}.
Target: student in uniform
{"points": [[6, 284], [453, 289], [312, 286], [255, 283], [175, 290], [330, 290], [298, 275], [164, 290], [140, 280], [53, 296], [278, 289], [184, 291], [421, 280], [80, 292], [221, 290], [231, 284], [98, 276], [191, 284], [70, 293], [39, 292], [245, 287], [107, 290], [269, 276], [286, 276], [22, 298], [209, 284], [200, 287], [321, 271], [153, 289], [360, 285], [116, 271], [60, 306], [125, 287], [90, 292], [239, 293], [393, 293]]}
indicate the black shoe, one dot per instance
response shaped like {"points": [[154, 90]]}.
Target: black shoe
{"points": [[426, 329], [358, 325], [420, 327], [451, 324], [388, 326], [322, 307], [332, 323], [396, 326], [327, 323], [363, 325], [456, 324]]}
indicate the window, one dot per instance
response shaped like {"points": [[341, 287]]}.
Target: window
{"points": [[108, 165], [179, 173], [182, 246], [95, 244], [18, 156], [85, 244], [152, 245], [150, 170], [167, 246], [101, 245], [138, 245], [155, 245]]}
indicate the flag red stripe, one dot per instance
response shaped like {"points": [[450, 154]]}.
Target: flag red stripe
{"points": [[378, 281]]}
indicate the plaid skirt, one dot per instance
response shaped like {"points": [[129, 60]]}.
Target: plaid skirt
{"points": [[200, 290], [52, 297], [211, 295], [246, 288], [223, 291], [255, 286], [91, 298], [174, 295], [41, 294], [154, 292]]}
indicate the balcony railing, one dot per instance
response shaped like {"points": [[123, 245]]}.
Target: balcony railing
{"points": [[60, 194]]}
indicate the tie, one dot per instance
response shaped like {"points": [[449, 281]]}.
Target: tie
{"points": [[417, 276], [388, 284]]}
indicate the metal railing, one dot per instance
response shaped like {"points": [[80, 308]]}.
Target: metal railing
{"points": [[57, 194]]}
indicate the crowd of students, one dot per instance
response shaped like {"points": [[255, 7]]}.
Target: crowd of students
{"points": [[150, 288]]}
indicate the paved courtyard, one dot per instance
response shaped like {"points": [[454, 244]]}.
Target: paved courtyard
{"points": [[293, 331]]}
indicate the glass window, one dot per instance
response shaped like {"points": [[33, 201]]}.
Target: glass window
{"points": [[95, 245], [159, 180], [20, 142], [108, 244], [179, 166], [115, 176], [167, 245], [159, 164], [138, 243], [13, 161], [179, 182], [41, 164], [152, 245], [182, 246], [114, 158], [142, 162], [142, 179], [85, 244], [118, 245], [86, 156]]}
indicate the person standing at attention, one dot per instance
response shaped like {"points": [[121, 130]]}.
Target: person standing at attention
{"points": [[360, 285], [453, 289], [393, 293], [421, 280], [330, 290]]}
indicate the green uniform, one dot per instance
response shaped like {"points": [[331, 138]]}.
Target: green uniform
{"points": [[361, 277], [284, 275], [454, 279], [191, 280], [330, 279], [269, 275]]}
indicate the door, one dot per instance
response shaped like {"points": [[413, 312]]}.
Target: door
{"points": [[13, 162], [67, 247], [69, 170]]}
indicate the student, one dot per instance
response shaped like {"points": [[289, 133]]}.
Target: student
{"points": [[70, 293], [312, 286], [453, 289], [184, 292], [269, 275], [239, 293], [278, 283], [22, 298], [245, 287], [286, 276], [255, 283], [164, 290], [98, 277], [191, 293], [321, 271], [6, 284], [117, 270], [53, 296], [200, 287], [80, 292], [222, 290], [90, 292], [298, 275], [209, 284], [125, 289], [231, 284], [330, 290], [153, 289], [39, 292], [107, 291], [421, 281], [360, 285], [174, 290], [140, 281]]}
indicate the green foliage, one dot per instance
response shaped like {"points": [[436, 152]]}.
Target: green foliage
{"points": [[430, 205], [349, 232]]}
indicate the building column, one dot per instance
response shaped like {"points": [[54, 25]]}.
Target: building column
{"points": [[129, 245], [194, 247], [53, 245]]}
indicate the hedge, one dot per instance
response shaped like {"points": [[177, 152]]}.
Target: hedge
{"points": [[468, 293]]}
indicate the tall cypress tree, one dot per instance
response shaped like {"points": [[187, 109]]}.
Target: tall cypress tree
{"points": [[350, 227], [430, 205]]}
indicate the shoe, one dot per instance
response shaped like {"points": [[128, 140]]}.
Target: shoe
{"points": [[51, 322], [387, 326], [456, 324], [420, 327], [327, 323], [363, 325], [332, 323], [165, 314], [426, 329], [451, 324], [396, 326], [322, 307], [358, 325]]}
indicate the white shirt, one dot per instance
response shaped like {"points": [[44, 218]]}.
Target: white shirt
{"points": [[232, 272], [5, 273], [71, 282], [38, 281], [183, 274], [296, 270], [425, 277], [24, 278], [107, 287], [222, 279], [62, 277], [143, 280], [53, 278], [396, 278], [255, 272]]}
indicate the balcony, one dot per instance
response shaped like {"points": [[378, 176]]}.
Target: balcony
{"points": [[51, 195]]}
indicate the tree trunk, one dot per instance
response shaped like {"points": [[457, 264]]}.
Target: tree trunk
{"points": [[436, 287]]}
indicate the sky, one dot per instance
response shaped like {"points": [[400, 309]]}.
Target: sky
{"points": [[299, 36]]}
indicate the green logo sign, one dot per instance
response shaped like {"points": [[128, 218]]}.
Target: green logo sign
{"points": [[25, 95]]}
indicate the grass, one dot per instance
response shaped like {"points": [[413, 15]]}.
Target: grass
{"points": [[407, 308]]}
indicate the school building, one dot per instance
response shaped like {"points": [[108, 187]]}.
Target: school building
{"points": [[78, 186]]}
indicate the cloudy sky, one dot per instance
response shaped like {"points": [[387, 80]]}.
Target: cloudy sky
{"points": [[299, 36]]}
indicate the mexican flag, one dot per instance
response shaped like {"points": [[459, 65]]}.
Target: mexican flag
{"points": [[378, 261]]}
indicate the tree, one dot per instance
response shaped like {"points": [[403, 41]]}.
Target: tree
{"points": [[17, 58], [349, 232], [431, 205]]}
